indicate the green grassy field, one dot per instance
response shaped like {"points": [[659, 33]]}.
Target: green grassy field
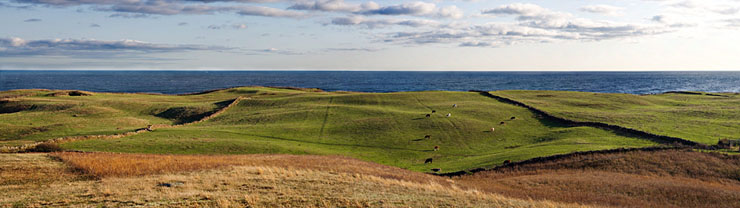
{"points": [[387, 128], [39, 116], [699, 117]]}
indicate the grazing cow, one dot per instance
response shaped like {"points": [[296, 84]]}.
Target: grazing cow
{"points": [[429, 160], [428, 137], [512, 118], [506, 162], [449, 114], [493, 129], [454, 105], [434, 111], [436, 169], [502, 123], [436, 148], [429, 115]]}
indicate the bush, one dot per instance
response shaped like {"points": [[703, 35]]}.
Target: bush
{"points": [[47, 147]]}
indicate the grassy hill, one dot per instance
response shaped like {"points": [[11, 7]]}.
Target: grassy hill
{"points": [[388, 128], [28, 116], [37, 180], [304, 146], [695, 116], [663, 178]]}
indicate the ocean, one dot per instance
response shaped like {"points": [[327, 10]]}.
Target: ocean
{"points": [[178, 82]]}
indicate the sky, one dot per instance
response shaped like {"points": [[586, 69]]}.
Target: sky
{"points": [[446, 35]]}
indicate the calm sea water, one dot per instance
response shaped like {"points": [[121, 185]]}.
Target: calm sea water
{"points": [[175, 82]]}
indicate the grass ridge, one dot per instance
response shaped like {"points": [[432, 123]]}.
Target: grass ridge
{"points": [[657, 138], [60, 140], [561, 156]]}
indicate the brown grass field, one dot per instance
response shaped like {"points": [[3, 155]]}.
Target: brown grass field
{"points": [[124, 180], [663, 178], [667, 178]]}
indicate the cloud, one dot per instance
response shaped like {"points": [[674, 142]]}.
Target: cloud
{"points": [[334, 6], [232, 26], [239, 1], [521, 9], [32, 20], [76, 2], [94, 25], [730, 7], [142, 8], [239, 26], [670, 21], [352, 49], [267, 12], [417, 9], [129, 16], [733, 23], [89, 47], [274, 51], [476, 44], [534, 24], [379, 23], [371, 8], [603, 9]]}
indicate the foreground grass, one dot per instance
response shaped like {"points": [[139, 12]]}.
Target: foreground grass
{"points": [[666, 178], [388, 128], [297, 181], [699, 117]]}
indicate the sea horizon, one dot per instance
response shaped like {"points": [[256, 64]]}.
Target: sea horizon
{"points": [[191, 81]]}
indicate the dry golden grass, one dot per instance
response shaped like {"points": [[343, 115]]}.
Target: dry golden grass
{"points": [[115, 164], [669, 178], [239, 181]]}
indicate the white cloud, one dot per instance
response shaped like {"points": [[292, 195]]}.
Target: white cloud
{"points": [[142, 8], [379, 23], [334, 6], [417, 9], [89, 47], [603, 9], [225, 26], [534, 24]]}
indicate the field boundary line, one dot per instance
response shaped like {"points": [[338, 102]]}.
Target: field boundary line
{"points": [[658, 138], [326, 117]]}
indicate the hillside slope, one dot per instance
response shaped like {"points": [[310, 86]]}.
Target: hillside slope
{"points": [[662, 178], [388, 128], [32, 180], [695, 116]]}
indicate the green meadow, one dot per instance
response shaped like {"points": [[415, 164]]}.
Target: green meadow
{"points": [[387, 128], [696, 116]]}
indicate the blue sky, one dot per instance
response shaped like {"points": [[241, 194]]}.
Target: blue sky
{"points": [[370, 35]]}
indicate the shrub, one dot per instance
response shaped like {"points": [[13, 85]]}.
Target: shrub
{"points": [[47, 147]]}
